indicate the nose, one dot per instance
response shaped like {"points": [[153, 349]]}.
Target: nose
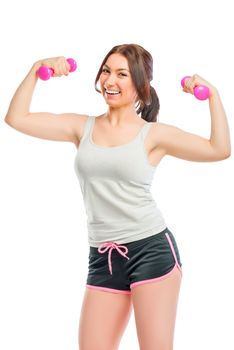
{"points": [[110, 81]]}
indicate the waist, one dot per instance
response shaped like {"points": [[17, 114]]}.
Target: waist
{"points": [[125, 233]]}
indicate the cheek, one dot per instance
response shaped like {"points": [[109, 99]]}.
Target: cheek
{"points": [[101, 80], [132, 93], [101, 84]]}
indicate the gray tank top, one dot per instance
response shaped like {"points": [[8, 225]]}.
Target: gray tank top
{"points": [[115, 183]]}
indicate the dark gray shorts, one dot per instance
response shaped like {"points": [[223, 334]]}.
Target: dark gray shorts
{"points": [[118, 268]]}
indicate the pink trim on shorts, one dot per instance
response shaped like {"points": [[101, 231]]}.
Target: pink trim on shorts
{"points": [[157, 279], [173, 252], [108, 289]]}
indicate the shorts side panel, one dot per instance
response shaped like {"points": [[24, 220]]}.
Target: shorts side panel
{"points": [[175, 251], [154, 260]]}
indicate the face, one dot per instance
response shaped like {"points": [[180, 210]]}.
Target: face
{"points": [[116, 83]]}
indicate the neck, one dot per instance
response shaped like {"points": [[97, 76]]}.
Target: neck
{"points": [[119, 116]]}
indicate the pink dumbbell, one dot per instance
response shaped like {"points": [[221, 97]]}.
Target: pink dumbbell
{"points": [[201, 92], [45, 72]]}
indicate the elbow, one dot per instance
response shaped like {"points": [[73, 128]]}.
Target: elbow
{"points": [[228, 155], [222, 154], [225, 155], [8, 119], [228, 152], [13, 118]]}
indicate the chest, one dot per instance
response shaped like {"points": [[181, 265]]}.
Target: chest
{"points": [[104, 137]]}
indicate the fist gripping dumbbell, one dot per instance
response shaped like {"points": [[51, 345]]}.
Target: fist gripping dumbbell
{"points": [[45, 72], [201, 92]]}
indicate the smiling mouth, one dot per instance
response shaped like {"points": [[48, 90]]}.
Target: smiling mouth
{"points": [[112, 92]]}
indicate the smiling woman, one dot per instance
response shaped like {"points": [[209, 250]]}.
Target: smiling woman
{"points": [[131, 66], [133, 257]]}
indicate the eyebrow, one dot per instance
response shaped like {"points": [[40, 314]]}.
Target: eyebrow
{"points": [[105, 65]]}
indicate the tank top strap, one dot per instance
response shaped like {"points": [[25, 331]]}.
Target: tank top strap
{"points": [[88, 127], [145, 129]]}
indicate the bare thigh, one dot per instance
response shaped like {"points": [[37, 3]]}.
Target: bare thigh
{"points": [[155, 306], [104, 317]]}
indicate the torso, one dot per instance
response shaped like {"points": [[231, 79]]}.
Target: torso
{"points": [[116, 136]]}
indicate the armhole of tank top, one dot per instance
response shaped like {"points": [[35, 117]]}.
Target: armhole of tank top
{"points": [[144, 134], [87, 127]]}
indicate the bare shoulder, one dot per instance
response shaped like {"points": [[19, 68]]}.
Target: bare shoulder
{"points": [[163, 131], [163, 135], [163, 128], [158, 133]]}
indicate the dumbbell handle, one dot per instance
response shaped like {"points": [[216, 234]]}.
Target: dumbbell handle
{"points": [[44, 72], [201, 92]]}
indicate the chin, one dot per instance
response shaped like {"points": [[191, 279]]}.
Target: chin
{"points": [[114, 104]]}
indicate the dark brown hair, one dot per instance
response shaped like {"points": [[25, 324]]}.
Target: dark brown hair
{"points": [[140, 64]]}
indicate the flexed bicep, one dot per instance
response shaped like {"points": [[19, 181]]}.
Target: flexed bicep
{"points": [[185, 145]]}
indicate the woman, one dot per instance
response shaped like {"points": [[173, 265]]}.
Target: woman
{"points": [[134, 259]]}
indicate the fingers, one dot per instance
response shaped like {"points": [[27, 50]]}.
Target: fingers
{"points": [[59, 65], [196, 80], [67, 68], [190, 84]]}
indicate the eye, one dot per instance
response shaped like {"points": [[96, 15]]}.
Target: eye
{"points": [[104, 70], [124, 75]]}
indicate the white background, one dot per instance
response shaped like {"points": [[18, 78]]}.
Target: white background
{"points": [[43, 236]]}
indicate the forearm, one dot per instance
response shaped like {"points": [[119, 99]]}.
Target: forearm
{"points": [[220, 136], [20, 103]]}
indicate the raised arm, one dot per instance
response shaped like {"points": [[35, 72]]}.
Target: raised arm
{"points": [[58, 127], [188, 146]]}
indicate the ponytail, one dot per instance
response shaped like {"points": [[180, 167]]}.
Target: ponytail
{"points": [[149, 111]]}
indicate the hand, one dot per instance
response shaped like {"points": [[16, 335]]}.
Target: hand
{"points": [[195, 80], [58, 64]]}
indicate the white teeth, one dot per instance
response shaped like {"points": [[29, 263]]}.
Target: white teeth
{"points": [[112, 92]]}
